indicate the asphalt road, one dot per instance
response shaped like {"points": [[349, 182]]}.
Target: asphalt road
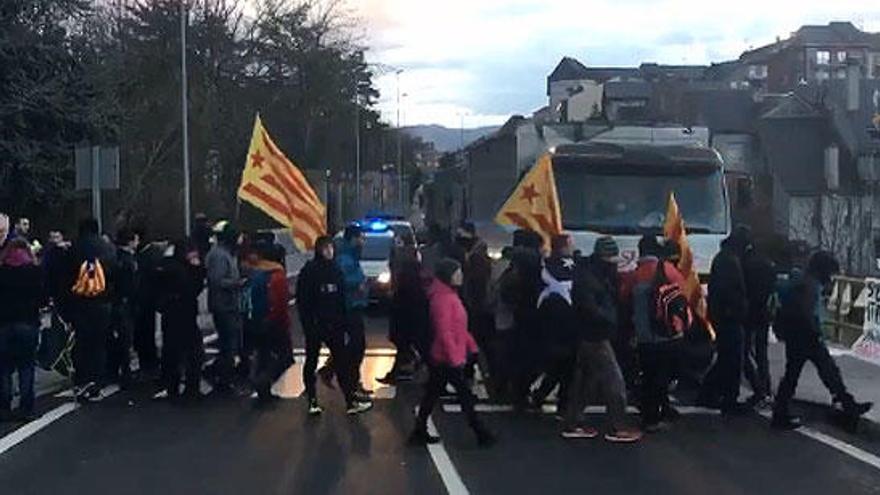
{"points": [[131, 444]]}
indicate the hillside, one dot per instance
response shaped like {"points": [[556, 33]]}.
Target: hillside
{"points": [[446, 139]]}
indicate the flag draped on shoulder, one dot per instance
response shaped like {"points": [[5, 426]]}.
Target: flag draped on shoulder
{"points": [[276, 186], [674, 231], [534, 204]]}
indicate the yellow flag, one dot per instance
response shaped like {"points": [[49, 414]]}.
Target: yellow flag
{"points": [[276, 186], [534, 204], [674, 231]]}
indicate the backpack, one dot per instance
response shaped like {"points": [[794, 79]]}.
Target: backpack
{"points": [[672, 314], [90, 281]]}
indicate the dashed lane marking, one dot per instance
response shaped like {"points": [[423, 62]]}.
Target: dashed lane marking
{"points": [[451, 479]]}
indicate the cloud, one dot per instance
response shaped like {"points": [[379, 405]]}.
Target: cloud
{"points": [[490, 58]]}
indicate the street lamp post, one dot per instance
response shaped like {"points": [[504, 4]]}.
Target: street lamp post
{"points": [[185, 118], [399, 146]]}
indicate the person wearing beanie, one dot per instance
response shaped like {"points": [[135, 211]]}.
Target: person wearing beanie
{"points": [[450, 348], [224, 301], [594, 296]]}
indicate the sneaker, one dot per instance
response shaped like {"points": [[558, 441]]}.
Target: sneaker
{"points": [[315, 409], [858, 409], [623, 436], [420, 437], [89, 393], [579, 432], [362, 397], [389, 379], [359, 407], [785, 422]]}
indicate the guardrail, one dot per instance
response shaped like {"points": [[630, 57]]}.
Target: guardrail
{"points": [[845, 306]]}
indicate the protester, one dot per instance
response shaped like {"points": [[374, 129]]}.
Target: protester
{"points": [[54, 265], [799, 324], [91, 280], [502, 299], [523, 292], [22, 295], [181, 277], [594, 294], [201, 234], [760, 278], [321, 304], [355, 292], [658, 348], [147, 291], [560, 323], [450, 347], [224, 301], [22, 230], [728, 311], [477, 269], [268, 322], [122, 326]]}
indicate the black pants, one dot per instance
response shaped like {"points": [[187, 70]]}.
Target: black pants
{"points": [[526, 364], [145, 336], [756, 363], [723, 381], [120, 342], [357, 344], [91, 324], [182, 354], [273, 354], [333, 336], [558, 370], [658, 362], [438, 377], [797, 353]]}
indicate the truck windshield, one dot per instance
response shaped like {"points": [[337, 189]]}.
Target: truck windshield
{"points": [[636, 204]]}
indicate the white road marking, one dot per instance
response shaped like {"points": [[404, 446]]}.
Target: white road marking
{"points": [[451, 479], [29, 429]]}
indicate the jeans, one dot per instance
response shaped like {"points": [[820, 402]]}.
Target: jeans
{"points": [[658, 363], [18, 348], [756, 364], [229, 329], [91, 324], [334, 337], [438, 377], [596, 368], [797, 353]]}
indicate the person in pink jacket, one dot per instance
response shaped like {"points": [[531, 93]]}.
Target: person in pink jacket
{"points": [[451, 345]]}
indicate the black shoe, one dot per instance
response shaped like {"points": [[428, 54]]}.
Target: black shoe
{"points": [[785, 422], [485, 439], [857, 409], [420, 437], [389, 379]]}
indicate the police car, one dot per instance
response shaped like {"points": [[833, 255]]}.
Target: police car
{"points": [[375, 256]]}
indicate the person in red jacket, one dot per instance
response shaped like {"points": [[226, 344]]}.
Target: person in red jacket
{"points": [[451, 345]]}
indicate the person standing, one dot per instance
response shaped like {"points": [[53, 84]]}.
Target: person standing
{"points": [[450, 347], [355, 292], [148, 259], [523, 293], [594, 294], [122, 329], [180, 278], [728, 311], [224, 302], [321, 307], [91, 281], [21, 290], [760, 278], [799, 324]]}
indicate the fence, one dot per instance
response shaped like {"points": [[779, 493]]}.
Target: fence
{"points": [[846, 310]]}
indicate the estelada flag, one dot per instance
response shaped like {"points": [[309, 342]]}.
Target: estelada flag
{"points": [[674, 230], [276, 186], [534, 204]]}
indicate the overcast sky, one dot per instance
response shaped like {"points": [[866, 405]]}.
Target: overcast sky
{"points": [[488, 59]]}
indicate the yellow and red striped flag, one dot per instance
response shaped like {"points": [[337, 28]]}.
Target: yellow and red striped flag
{"points": [[534, 204], [276, 186], [675, 231]]}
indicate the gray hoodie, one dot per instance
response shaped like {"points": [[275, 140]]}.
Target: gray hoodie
{"points": [[224, 289]]}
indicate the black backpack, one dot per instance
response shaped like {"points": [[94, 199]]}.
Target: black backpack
{"points": [[671, 314]]}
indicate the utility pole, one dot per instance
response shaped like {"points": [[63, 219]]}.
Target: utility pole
{"points": [[357, 156], [185, 117], [399, 147]]}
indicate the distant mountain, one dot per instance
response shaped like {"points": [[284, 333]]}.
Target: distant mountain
{"points": [[446, 139]]}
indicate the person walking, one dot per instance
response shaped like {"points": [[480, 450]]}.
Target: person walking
{"points": [[91, 280], [355, 292], [321, 307], [22, 294], [728, 310], [760, 278], [122, 326], [180, 277], [450, 347], [799, 325], [523, 293], [594, 294], [224, 302]]}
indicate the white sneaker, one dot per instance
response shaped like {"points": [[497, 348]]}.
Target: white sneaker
{"points": [[359, 407]]}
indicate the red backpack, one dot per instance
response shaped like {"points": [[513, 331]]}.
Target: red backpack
{"points": [[672, 313]]}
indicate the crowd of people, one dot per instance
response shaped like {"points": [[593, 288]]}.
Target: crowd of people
{"points": [[541, 319]]}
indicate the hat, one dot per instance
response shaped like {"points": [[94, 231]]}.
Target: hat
{"points": [[606, 247], [445, 269]]}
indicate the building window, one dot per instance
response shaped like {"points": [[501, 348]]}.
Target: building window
{"points": [[822, 75], [841, 57], [757, 72], [823, 57]]}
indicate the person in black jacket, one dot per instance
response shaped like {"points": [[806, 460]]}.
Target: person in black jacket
{"points": [[22, 294], [122, 328], [526, 260], [321, 306], [760, 278], [180, 277], [146, 291], [799, 324], [728, 311]]}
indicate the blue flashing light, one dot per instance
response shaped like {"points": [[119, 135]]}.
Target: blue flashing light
{"points": [[377, 226]]}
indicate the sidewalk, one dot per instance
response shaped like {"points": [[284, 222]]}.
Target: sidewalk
{"points": [[861, 377]]}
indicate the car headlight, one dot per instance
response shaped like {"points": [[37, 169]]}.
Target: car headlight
{"points": [[495, 254], [384, 278]]}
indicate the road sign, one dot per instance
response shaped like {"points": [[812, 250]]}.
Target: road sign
{"points": [[108, 172]]}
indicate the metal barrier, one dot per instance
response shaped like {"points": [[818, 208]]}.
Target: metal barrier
{"points": [[845, 306]]}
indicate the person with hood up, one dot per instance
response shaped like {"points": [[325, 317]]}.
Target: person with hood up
{"points": [[594, 295], [522, 292], [356, 300], [22, 293], [728, 312], [450, 348], [321, 304], [224, 301], [180, 277], [477, 269], [799, 325]]}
